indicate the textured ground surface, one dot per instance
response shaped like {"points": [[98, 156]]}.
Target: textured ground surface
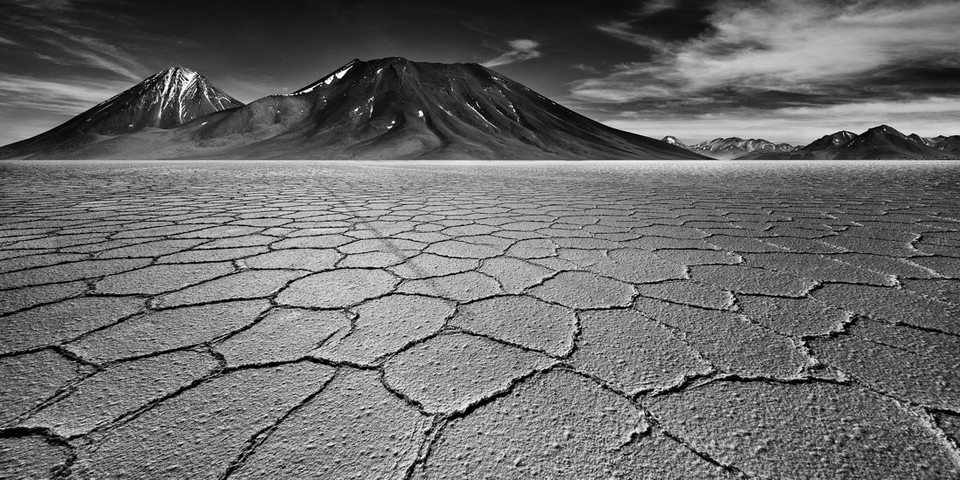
{"points": [[479, 321]]}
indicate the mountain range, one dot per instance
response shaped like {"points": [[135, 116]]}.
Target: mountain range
{"points": [[878, 143], [731, 148], [390, 108]]}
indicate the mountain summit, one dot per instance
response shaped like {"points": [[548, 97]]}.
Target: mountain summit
{"points": [[388, 108], [165, 100]]}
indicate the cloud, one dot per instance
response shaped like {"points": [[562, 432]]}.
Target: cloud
{"points": [[587, 68], [56, 5], [652, 7], [815, 47], [65, 96], [624, 31], [4, 41], [96, 59], [929, 116], [51, 32], [520, 50], [92, 52]]}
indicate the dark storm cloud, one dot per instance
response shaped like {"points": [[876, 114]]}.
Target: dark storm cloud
{"points": [[645, 65]]}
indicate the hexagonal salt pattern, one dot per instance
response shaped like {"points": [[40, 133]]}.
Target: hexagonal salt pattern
{"points": [[387, 320]]}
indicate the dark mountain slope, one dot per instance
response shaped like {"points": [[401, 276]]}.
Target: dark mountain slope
{"points": [[949, 145]]}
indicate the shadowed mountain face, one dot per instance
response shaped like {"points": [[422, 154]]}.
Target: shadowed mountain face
{"points": [[166, 100], [391, 108], [949, 145], [935, 141]]}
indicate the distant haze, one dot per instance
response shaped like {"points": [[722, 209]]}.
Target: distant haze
{"points": [[782, 70]]}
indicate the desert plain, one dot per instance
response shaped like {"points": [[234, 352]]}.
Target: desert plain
{"points": [[479, 320]]}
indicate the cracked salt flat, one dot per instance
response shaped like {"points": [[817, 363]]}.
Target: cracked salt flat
{"points": [[504, 320]]}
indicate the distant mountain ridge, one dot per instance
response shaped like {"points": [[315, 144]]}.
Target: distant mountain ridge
{"points": [[730, 148], [878, 143], [389, 108]]}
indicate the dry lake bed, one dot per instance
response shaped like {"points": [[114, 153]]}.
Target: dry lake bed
{"points": [[479, 320]]}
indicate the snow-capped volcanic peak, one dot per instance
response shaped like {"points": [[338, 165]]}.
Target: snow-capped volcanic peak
{"points": [[175, 78], [329, 79], [180, 95], [166, 99]]}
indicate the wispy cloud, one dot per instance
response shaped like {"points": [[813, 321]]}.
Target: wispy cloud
{"points": [[624, 31], [587, 68], [93, 52], [70, 97], [651, 7], [782, 45], [55, 5], [5, 41], [51, 29], [521, 49]]}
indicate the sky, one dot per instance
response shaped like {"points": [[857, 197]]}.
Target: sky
{"points": [[783, 70]]}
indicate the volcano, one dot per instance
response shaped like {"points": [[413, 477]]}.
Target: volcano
{"points": [[165, 100], [390, 108]]}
